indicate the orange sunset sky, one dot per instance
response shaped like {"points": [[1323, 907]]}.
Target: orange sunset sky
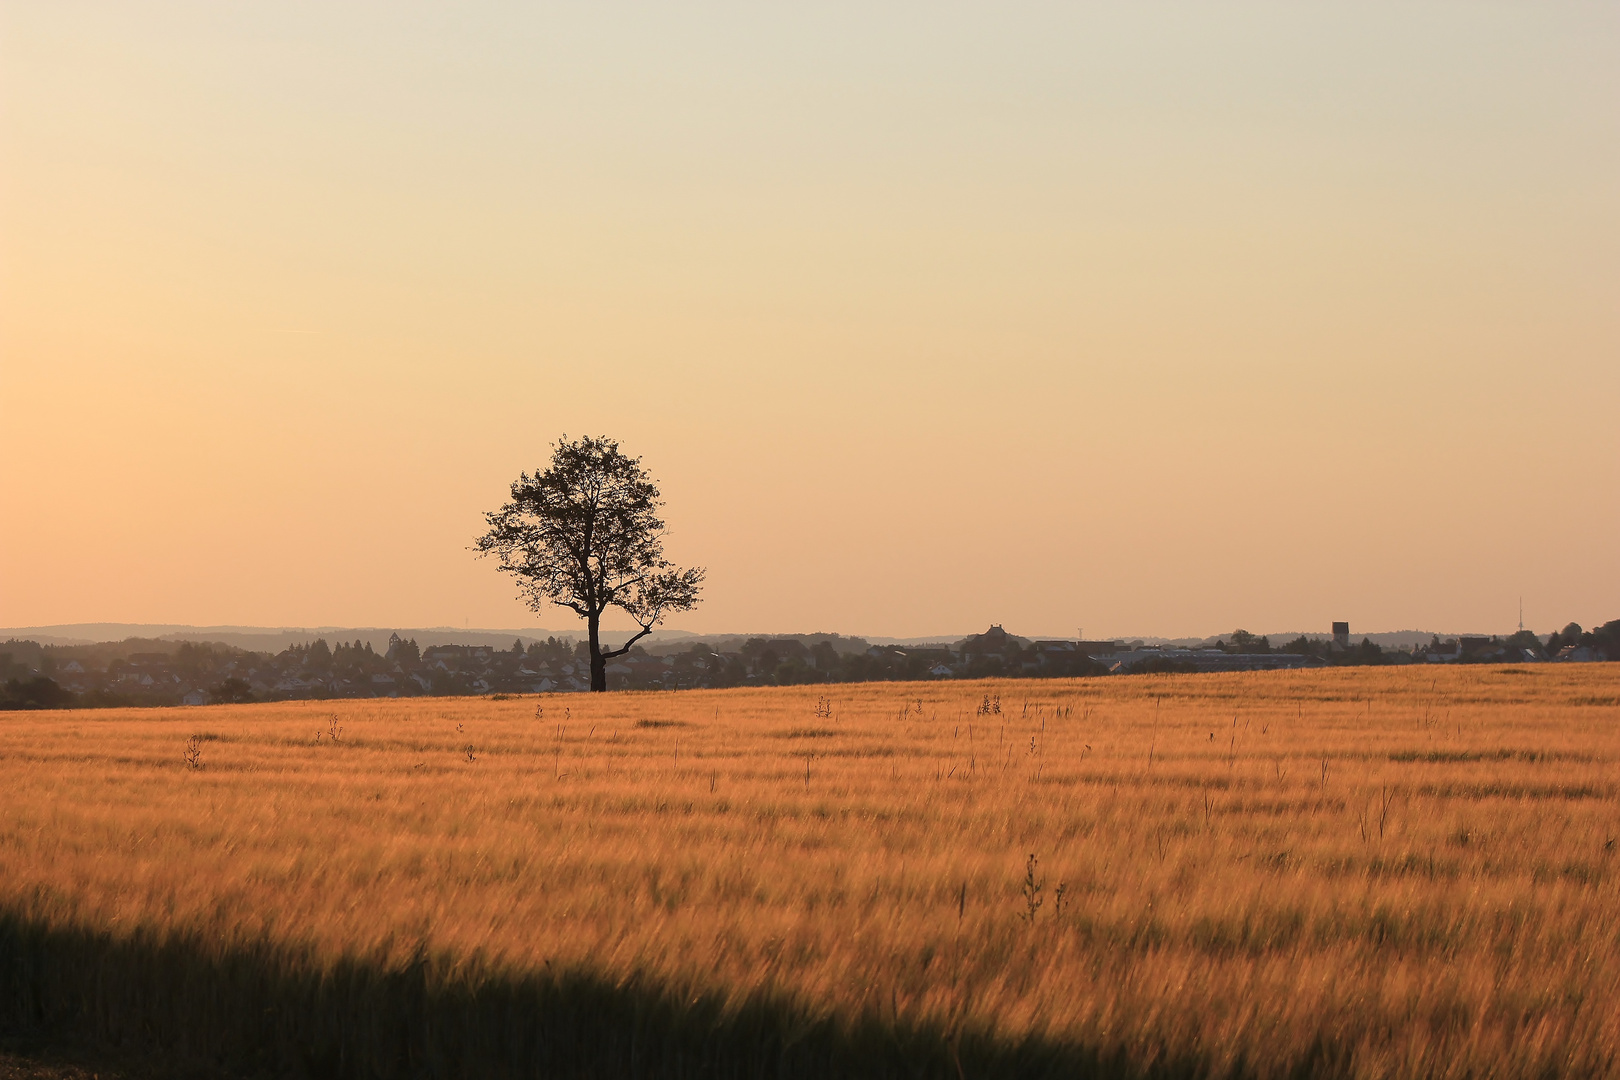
{"points": [[1143, 318]]}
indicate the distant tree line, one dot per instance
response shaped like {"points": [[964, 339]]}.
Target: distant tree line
{"points": [[154, 672]]}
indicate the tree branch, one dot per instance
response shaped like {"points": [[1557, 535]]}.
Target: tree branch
{"points": [[645, 630]]}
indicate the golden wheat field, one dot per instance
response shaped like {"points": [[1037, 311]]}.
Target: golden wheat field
{"points": [[1358, 872]]}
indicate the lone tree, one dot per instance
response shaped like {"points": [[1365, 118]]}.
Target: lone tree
{"points": [[585, 534]]}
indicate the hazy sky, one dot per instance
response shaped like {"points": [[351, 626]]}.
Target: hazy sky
{"points": [[1142, 318]]}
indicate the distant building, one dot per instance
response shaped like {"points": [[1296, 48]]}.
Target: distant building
{"points": [[993, 642], [1449, 652], [1341, 635]]}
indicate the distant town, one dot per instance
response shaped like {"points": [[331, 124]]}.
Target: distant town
{"points": [[160, 672]]}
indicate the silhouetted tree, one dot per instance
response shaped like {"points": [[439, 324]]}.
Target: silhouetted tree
{"points": [[1365, 653], [1606, 639], [319, 655], [1570, 636], [585, 534], [232, 692], [1245, 642], [38, 692], [403, 652]]}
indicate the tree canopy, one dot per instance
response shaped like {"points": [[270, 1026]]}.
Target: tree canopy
{"points": [[585, 534]]}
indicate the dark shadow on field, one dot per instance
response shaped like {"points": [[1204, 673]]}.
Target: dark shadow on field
{"points": [[38, 1058], [271, 1010]]}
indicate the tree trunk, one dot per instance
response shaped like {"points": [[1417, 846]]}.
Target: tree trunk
{"points": [[598, 664]]}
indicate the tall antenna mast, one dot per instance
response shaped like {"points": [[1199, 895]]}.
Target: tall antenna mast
{"points": [[1521, 614]]}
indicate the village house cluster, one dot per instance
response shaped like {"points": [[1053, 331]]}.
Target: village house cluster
{"points": [[157, 672]]}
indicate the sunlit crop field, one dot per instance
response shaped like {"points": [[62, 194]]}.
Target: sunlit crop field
{"points": [[1370, 872]]}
